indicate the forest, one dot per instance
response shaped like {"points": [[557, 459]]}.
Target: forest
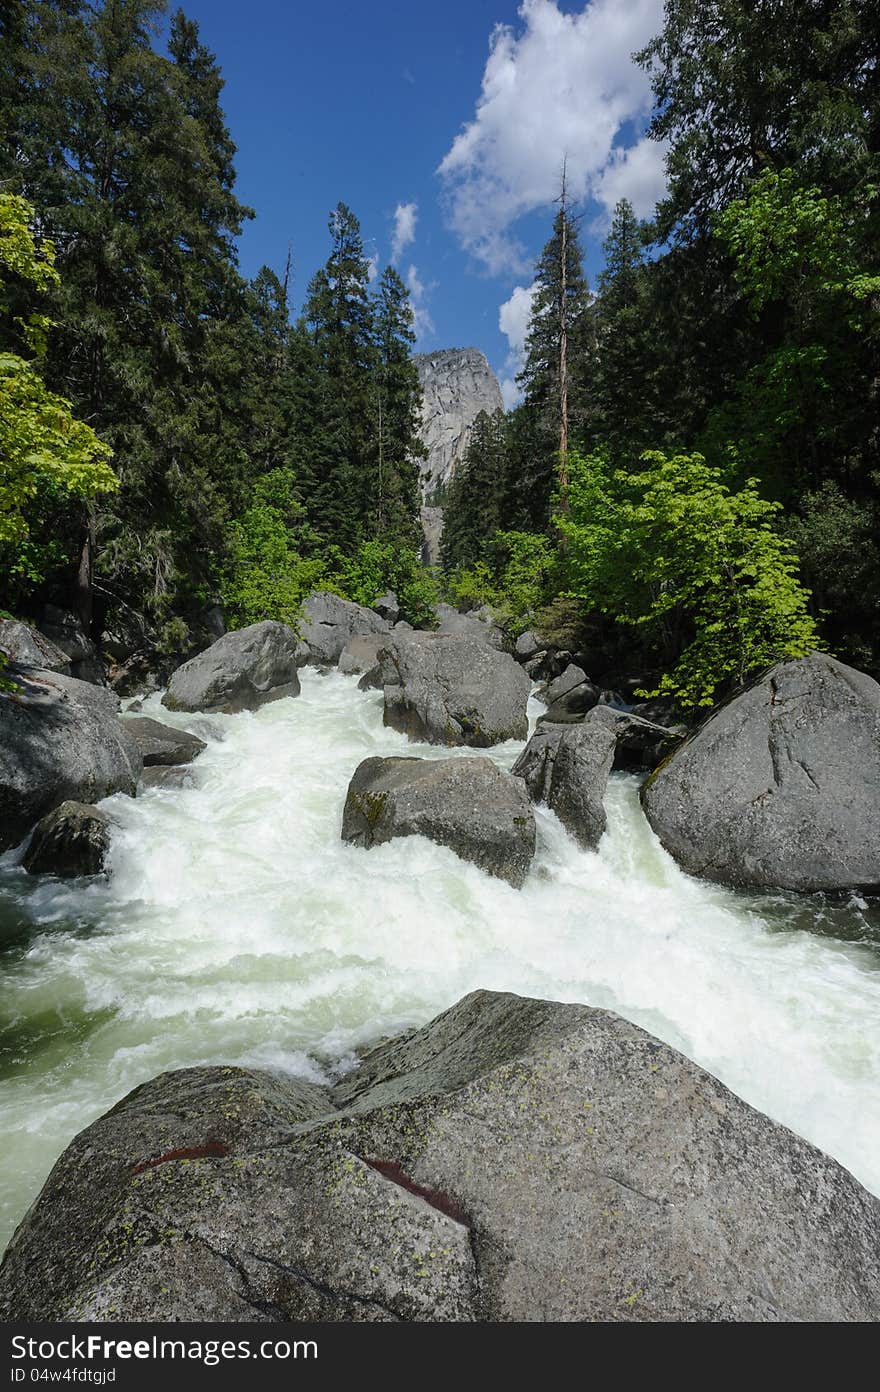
{"points": [[689, 488]]}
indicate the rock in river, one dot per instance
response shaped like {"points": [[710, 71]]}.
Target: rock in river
{"points": [[513, 1160], [60, 739], [73, 840], [781, 786], [241, 671], [163, 744], [567, 767], [467, 804], [453, 690], [329, 623]]}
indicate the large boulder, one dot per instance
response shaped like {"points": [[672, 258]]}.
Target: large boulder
{"points": [[328, 623], [569, 697], [28, 647], [361, 653], [162, 744], [387, 607], [467, 804], [73, 840], [567, 767], [780, 787], [241, 671], [477, 623], [514, 1160], [60, 739], [453, 690]]}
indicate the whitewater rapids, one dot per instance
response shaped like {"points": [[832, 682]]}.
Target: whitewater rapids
{"points": [[236, 927]]}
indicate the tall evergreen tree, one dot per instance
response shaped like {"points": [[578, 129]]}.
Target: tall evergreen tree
{"points": [[397, 397], [553, 386], [472, 513], [620, 408], [340, 315]]}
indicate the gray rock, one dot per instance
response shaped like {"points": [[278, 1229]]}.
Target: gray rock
{"points": [[560, 686], [527, 646], [535, 665], [457, 384], [781, 786], [241, 671], [387, 607], [328, 623], [28, 647], [361, 653], [467, 804], [574, 705], [65, 630], [453, 690], [432, 534], [60, 739], [567, 767], [162, 744], [641, 744], [170, 776], [515, 1160], [479, 624], [71, 841]]}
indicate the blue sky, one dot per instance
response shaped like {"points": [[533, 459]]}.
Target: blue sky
{"points": [[444, 128]]}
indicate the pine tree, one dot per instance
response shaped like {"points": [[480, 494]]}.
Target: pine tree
{"points": [[397, 397], [340, 315], [621, 415], [474, 497], [552, 382]]}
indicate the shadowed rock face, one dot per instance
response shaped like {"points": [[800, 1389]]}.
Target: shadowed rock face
{"points": [[457, 384], [60, 739], [781, 786], [567, 767], [163, 744], [469, 805], [514, 1160]]}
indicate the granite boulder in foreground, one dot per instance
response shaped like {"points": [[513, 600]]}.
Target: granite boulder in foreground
{"points": [[241, 671], [780, 788], [514, 1160], [470, 805]]}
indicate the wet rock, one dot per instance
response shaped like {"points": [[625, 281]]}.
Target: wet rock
{"points": [[781, 786], [453, 690], [329, 623], [514, 1160], [467, 804], [570, 696], [163, 744], [71, 841], [60, 740], [241, 671], [170, 776], [567, 767]]}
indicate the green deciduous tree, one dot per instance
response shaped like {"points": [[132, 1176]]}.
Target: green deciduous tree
{"points": [[673, 549]]}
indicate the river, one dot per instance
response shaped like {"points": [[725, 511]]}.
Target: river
{"points": [[236, 927]]}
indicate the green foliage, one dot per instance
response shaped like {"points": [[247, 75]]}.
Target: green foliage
{"points": [[268, 575], [42, 444], [673, 549], [378, 566], [472, 512], [513, 579]]}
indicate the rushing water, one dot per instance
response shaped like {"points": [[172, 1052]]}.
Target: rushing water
{"points": [[235, 926]]}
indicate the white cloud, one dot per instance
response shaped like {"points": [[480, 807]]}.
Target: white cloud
{"points": [[372, 267], [405, 217], [563, 88], [418, 294], [638, 174], [513, 321]]}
